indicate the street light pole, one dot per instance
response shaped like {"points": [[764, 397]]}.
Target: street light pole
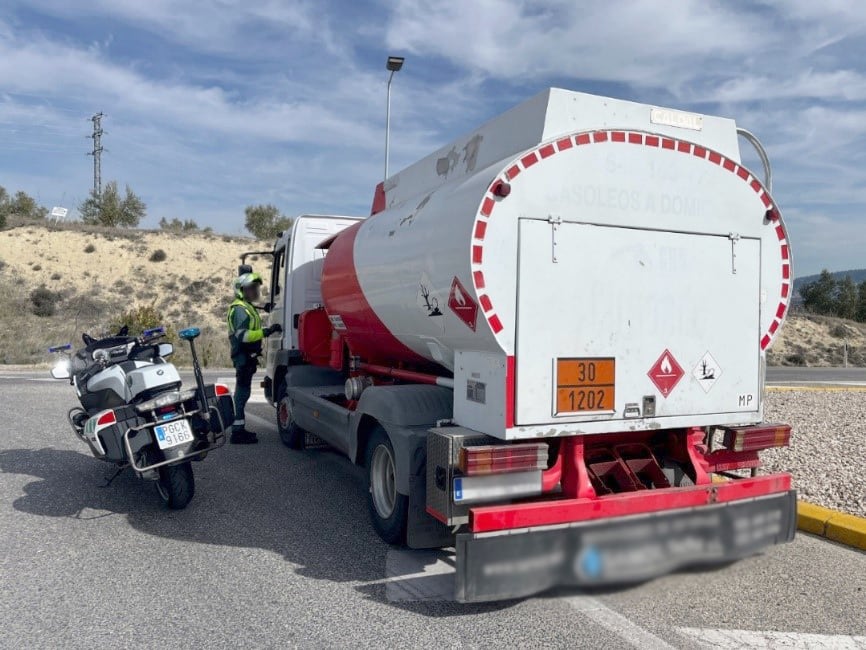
{"points": [[394, 63]]}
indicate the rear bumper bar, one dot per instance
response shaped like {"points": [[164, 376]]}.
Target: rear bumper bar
{"points": [[484, 519], [619, 550]]}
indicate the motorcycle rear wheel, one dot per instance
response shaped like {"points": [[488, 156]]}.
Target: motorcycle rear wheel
{"points": [[176, 485]]}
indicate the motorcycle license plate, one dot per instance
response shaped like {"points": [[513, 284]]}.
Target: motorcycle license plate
{"points": [[173, 434]]}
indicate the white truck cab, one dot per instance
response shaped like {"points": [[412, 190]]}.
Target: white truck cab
{"points": [[295, 285]]}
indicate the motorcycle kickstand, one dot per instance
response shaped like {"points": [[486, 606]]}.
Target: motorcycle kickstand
{"points": [[110, 480]]}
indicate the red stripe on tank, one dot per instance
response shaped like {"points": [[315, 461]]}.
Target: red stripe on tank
{"points": [[368, 337]]}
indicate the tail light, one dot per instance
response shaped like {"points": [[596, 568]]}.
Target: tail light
{"points": [[500, 459], [221, 389], [756, 438], [106, 418]]}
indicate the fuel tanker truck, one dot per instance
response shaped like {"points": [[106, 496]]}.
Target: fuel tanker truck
{"points": [[547, 346]]}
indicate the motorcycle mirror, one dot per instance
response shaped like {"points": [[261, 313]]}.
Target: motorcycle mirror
{"points": [[61, 370], [165, 350]]}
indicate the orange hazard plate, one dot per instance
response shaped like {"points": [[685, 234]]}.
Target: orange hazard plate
{"points": [[585, 385]]}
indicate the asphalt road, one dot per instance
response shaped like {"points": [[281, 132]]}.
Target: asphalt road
{"points": [[276, 551], [816, 376]]}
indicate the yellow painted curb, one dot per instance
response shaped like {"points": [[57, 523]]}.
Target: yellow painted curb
{"points": [[837, 526], [824, 522]]}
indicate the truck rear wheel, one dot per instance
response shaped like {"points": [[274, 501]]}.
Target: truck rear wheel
{"points": [[291, 434], [389, 510]]}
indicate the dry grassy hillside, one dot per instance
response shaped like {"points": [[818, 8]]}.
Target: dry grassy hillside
{"points": [[808, 340], [92, 276]]}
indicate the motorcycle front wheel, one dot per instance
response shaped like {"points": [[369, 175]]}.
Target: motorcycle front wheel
{"points": [[176, 485]]}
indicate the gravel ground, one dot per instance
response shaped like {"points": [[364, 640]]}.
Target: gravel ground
{"points": [[827, 455]]}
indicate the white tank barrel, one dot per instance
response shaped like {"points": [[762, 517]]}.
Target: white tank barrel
{"points": [[572, 230]]}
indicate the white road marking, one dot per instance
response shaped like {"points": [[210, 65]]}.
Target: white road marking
{"points": [[736, 639], [618, 624], [412, 576], [258, 393]]}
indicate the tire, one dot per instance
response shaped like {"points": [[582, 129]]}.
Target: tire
{"points": [[291, 434], [176, 485], [389, 510]]}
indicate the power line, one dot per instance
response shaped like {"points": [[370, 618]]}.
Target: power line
{"points": [[97, 153]]}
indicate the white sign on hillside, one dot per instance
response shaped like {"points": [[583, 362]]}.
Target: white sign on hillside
{"points": [[58, 213]]}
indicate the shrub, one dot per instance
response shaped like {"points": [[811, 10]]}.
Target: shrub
{"points": [[839, 331], [43, 301], [796, 359], [89, 248], [198, 290], [37, 267], [138, 319], [56, 276], [158, 255]]}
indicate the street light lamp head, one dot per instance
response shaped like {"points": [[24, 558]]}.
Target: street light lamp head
{"points": [[394, 63]]}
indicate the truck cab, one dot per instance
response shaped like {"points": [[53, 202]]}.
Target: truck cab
{"points": [[295, 287]]}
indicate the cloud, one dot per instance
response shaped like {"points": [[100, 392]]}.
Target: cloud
{"points": [[212, 105], [635, 42]]}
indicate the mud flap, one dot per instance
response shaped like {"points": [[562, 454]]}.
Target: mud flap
{"points": [[624, 550]]}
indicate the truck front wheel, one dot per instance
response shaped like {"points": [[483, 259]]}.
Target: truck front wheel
{"points": [[389, 510], [291, 434]]}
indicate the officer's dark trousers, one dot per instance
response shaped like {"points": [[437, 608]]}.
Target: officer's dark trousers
{"points": [[243, 387]]}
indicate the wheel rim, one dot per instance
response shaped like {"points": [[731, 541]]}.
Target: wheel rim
{"points": [[383, 482], [284, 415]]}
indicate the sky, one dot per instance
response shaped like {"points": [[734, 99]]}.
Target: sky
{"points": [[213, 105]]}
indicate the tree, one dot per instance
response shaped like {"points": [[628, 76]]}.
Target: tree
{"points": [[860, 312], [846, 298], [176, 225], [4, 203], [111, 210], [265, 221], [22, 205], [819, 297]]}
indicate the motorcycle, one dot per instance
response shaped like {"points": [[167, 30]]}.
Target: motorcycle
{"points": [[135, 412]]}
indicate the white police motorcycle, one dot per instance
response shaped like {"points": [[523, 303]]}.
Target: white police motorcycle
{"points": [[135, 412]]}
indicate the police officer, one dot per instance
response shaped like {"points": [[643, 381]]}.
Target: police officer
{"points": [[246, 335]]}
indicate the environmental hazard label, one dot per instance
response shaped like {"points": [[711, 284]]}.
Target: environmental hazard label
{"points": [[707, 372]]}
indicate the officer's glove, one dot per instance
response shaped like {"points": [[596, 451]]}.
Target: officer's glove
{"points": [[276, 328]]}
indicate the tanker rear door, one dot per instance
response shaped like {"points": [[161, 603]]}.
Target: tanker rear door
{"points": [[609, 316]]}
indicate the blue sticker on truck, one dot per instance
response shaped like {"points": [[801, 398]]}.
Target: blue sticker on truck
{"points": [[458, 489]]}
